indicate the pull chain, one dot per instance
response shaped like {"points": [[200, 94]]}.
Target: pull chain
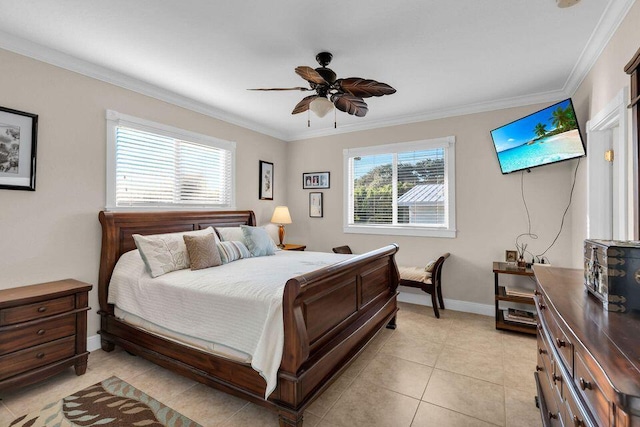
{"points": [[335, 120], [308, 119]]}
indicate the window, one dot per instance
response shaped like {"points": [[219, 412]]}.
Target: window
{"points": [[150, 165], [402, 189]]}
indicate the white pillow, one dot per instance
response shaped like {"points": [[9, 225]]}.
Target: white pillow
{"points": [[163, 253]]}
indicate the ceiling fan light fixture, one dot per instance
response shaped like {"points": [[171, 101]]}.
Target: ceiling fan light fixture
{"points": [[566, 3], [321, 106]]}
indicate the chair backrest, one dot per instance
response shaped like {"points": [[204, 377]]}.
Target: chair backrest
{"points": [[342, 250], [437, 269]]}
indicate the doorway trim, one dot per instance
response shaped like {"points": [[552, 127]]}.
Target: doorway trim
{"points": [[614, 115]]}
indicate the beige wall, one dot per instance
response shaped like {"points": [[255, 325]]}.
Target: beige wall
{"points": [[490, 212], [602, 84], [53, 233]]}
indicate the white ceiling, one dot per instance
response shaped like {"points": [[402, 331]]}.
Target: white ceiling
{"points": [[443, 57]]}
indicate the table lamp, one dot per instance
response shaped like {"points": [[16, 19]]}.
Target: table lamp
{"points": [[281, 216]]}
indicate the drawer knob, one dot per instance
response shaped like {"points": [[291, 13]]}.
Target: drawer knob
{"points": [[542, 306], [536, 293], [539, 368], [561, 343], [41, 332], [541, 351], [584, 385], [42, 309], [577, 422], [557, 378], [40, 355], [552, 415]]}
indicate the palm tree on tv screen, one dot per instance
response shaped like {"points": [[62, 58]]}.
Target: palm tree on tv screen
{"points": [[563, 118], [540, 129]]}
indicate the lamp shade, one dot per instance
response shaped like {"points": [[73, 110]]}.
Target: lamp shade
{"points": [[321, 106], [281, 215]]}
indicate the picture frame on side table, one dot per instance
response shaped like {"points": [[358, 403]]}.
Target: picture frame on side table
{"points": [[315, 205], [18, 135], [510, 256], [315, 180], [265, 191]]}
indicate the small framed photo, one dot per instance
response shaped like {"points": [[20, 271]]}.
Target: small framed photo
{"points": [[315, 205], [266, 181], [315, 180], [511, 256], [18, 134]]}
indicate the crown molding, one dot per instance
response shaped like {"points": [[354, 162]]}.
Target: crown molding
{"points": [[605, 29], [60, 59], [481, 107]]}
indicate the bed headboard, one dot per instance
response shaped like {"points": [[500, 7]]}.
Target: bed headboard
{"points": [[119, 227]]}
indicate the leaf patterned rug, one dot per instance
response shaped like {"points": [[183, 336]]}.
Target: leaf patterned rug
{"points": [[110, 403]]}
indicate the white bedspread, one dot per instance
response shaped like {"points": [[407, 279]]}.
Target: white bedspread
{"points": [[238, 304]]}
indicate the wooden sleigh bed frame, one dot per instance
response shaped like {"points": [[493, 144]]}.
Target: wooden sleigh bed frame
{"points": [[329, 316]]}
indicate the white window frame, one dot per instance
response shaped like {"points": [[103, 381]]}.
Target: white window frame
{"points": [[446, 143], [115, 119]]}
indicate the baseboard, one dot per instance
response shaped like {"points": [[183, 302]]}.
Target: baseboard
{"points": [[452, 304], [93, 342]]}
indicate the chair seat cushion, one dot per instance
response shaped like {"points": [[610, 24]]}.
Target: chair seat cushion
{"points": [[416, 274]]}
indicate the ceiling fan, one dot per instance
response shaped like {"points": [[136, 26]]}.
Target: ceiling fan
{"points": [[345, 94]]}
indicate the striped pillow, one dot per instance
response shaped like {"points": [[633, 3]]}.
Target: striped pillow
{"points": [[232, 251]]}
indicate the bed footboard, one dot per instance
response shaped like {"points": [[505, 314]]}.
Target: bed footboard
{"points": [[329, 316]]}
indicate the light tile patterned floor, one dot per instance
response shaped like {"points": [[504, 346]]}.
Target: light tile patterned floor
{"points": [[453, 371]]}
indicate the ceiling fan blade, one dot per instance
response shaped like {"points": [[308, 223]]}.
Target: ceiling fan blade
{"points": [[310, 75], [302, 89], [304, 104], [365, 88], [350, 104]]}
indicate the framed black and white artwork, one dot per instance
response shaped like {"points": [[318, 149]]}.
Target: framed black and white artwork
{"points": [[18, 134], [266, 181], [315, 180], [315, 205]]}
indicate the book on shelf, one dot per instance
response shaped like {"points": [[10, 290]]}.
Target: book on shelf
{"points": [[520, 316], [513, 291]]}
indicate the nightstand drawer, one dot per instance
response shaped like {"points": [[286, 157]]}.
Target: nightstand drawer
{"points": [[34, 357], [22, 337], [9, 316]]}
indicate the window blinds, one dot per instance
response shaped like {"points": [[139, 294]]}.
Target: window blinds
{"points": [[400, 188], [156, 170]]}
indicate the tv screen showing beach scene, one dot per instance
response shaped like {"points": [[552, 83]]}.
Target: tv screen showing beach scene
{"points": [[547, 136]]}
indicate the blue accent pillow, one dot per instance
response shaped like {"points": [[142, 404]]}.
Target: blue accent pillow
{"points": [[232, 251], [258, 240]]}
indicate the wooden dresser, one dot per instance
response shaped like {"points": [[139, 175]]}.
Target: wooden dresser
{"points": [[588, 370], [43, 330]]}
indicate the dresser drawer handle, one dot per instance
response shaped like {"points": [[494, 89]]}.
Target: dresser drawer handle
{"points": [[556, 378], [541, 306], [577, 422], [42, 309], [539, 368], [561, 343], [541, 351], [40, 355], [552, 415], [41, 332], [584, 385], [536, 293]]}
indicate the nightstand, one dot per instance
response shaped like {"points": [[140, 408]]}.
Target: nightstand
{"points": [[291, 247], [43, 331]]}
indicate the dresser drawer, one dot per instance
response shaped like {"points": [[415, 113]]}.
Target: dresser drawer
{"points": [[23, 313], [591, 391], [18, 338], [551, 400], [557, 337], [34, 357]]}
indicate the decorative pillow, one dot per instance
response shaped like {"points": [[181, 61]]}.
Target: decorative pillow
{"points": [[231, 234], [258, 240], [232, 251], [203, 251], [163, 253]]}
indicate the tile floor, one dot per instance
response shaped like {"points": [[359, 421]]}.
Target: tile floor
{"points": [[453, 371]]}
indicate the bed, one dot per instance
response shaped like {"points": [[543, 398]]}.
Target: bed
{"points": [[329, 315]]}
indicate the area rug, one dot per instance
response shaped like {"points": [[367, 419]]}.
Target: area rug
{"points": [[110, 403]]}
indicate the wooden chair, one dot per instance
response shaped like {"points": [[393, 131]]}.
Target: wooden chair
{"points": [[342, 250], [428, 279]]}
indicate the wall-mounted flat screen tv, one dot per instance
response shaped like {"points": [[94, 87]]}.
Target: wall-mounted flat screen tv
{"points": [[547, 136]]}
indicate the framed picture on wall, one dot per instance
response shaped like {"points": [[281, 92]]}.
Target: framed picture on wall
{"points": [[265, 191], [315, 180], [18, 134], [315, 205]]}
